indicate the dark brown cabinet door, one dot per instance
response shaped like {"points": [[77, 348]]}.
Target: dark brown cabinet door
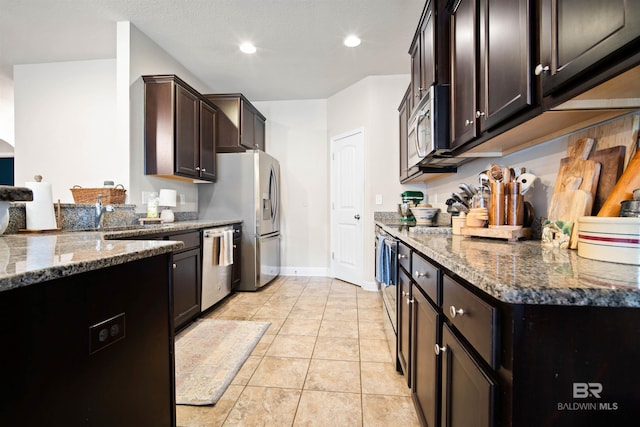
{"points": [[260, 125], [505, 70], [187, 133], [468, 394], [207, 142], [425, 365], [463, 72], [403, 116], [427, 42], [578, 34], [186, 286], [247, 127], [403, 309]]}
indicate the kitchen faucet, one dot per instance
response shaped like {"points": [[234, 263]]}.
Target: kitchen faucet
{"points": [[100, 210]]}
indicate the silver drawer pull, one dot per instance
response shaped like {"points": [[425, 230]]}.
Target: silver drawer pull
{"points": [[418, 275], [174, 266], [401, 256], [439, 349], [410, 301], [405, 294], [455, 311]]}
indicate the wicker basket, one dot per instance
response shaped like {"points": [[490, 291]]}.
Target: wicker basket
{"points": [[114, 196]]}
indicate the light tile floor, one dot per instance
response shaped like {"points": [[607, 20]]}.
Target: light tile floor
{"points": [[324, 361]]}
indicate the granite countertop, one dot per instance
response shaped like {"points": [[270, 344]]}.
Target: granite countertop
{"points": [[525, 272], [27, 259]]}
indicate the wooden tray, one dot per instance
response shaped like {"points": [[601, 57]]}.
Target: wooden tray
{"points": [[509, 232]]}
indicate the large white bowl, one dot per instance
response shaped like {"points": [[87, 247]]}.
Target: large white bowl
{"points": [[424, 216], [613, 239]]}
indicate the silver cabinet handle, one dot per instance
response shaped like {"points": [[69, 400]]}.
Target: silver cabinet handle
{"points": [[479, 114], [401, 256], [204, 170], [439, 349], [405, 294], [174, 266], [197, 168], [541, 69], [410, 301], [418, 275], [456, 311], [357, 216], [468, 122]]}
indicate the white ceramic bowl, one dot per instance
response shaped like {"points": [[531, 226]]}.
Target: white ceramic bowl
{"points": [[424, 216], [613, 239]]}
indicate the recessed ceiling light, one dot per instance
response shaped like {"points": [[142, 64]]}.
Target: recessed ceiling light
{"points": [[247, 47], [352, 41]]}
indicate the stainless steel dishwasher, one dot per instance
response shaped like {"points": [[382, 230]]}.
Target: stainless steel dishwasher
{"points": [[217, 262]]}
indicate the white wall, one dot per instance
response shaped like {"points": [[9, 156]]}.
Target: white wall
{"points": [[296, 134], [65, 122], [372, 104], [145, 57]]}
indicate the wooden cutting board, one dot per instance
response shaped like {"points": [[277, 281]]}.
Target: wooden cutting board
{"points": [[577, 166], [569, 206], [623, 190], [612, 164]]}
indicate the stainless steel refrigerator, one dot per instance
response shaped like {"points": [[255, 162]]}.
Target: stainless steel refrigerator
{"points": [[247, 187]]}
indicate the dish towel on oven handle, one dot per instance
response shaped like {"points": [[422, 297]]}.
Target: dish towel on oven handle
{"points": [[226, 248], [383, 264]]}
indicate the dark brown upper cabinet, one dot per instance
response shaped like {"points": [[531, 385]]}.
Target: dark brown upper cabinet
{"points": [[428, 51], [578, 36], [490, 64], [241, 127], [180, 130]]}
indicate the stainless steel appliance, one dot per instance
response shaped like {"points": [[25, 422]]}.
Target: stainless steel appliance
{"points": [[386, 275], [428, 129], [216, 275], [248, 188]]}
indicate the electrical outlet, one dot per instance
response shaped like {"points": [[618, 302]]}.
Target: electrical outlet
{"points": [[378, 199], [107, 332]]}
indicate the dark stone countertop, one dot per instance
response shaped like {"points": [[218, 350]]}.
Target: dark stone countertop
{"points": [[30, 258], [525, 272]]}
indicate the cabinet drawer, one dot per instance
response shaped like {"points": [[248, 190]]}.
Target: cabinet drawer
{"points": [[190, 240], [425, 275], [404, 256], [473, 317]]}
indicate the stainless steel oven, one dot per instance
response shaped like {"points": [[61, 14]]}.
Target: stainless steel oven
{"points": [[387, 276], [428, 127]]}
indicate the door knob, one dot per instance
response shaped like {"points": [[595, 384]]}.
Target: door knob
{"points": [[357, 216]]}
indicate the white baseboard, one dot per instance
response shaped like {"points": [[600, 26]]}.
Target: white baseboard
{"points": [[304, 271], [370, 286]]}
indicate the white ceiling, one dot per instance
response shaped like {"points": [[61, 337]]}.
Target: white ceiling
{"points": [[300, 53]]}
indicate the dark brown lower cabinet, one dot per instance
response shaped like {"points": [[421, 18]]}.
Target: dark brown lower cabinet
{"points": [[60, 370], [425, 366], [186, 286], [468, 393], [404, 325]]}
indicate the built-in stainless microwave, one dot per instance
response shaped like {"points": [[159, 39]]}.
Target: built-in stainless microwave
{"points": [[428, 130]]}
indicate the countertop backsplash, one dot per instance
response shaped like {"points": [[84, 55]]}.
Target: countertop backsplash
{"points": [[75, 217]]}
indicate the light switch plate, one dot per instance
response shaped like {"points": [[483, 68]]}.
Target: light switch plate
{"points": [[378, 199]]}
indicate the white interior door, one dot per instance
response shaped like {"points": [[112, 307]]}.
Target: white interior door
{"points": [[347, 202]]}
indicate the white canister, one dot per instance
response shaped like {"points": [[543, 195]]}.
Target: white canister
{"points": [[40, 212]]}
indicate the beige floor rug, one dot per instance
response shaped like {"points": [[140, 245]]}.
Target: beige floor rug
{"points": [[209, 354]]}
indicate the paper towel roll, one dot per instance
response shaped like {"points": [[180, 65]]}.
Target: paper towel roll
{"points": [[40, 212]]}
